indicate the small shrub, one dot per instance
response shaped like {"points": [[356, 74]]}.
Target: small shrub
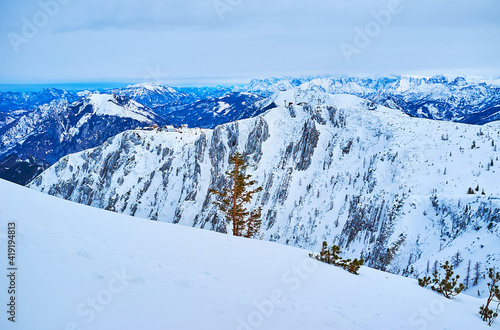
{"points": [[330, 255], [446, 286]]}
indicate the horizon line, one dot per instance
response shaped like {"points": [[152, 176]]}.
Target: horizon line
{"points": [[209, 81]]}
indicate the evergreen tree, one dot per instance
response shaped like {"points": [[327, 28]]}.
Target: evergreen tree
{"points": [[331, 256], [232, 200], [447, 286], [254, 222], [487, 314]]}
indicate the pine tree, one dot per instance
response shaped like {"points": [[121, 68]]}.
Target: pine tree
{"points": [[232, 200], [487, 314], [254, 222], [331, 256], [447, 286]]}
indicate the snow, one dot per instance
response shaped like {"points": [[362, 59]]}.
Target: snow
{"points": [[140, 274], [221, 107], [104, 105]]}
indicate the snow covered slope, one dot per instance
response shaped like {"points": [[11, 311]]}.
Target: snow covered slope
{"points": [[84, 268], [380, 184], [57, 129]]}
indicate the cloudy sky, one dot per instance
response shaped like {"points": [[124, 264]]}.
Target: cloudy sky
{"points": [[214, 41]]}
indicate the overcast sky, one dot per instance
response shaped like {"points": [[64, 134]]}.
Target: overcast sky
{"points": [[232, 41]]}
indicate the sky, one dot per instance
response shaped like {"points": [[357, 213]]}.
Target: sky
{"points": [[203, 42]]}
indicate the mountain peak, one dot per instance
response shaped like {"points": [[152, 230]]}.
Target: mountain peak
{"points": [[112, 105], [153, 87]]}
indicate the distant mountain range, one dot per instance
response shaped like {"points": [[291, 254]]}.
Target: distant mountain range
{"points": [[52, 123], [72, 122], [154, 95], [459, 99], [10, 101], [54, 130]]}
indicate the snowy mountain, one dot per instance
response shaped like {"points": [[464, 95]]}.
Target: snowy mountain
{"points": [[468, 100], [11, 116], [59, 128], [378, 183], [269, 86], [165, 99], [101, 270], [154, 95], [212, 112], [10, 101]]}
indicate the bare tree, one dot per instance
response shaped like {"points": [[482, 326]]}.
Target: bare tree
{"points": [[467, 276], [435, 268], [477, 273], [456, 259]]}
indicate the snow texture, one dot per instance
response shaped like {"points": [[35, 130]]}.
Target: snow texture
{"points": [[85, 268]]}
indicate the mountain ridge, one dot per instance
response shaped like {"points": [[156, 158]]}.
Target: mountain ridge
{"points": [[342, 170]]}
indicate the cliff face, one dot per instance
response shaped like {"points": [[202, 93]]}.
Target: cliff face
{"points": [[382, 185]]}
